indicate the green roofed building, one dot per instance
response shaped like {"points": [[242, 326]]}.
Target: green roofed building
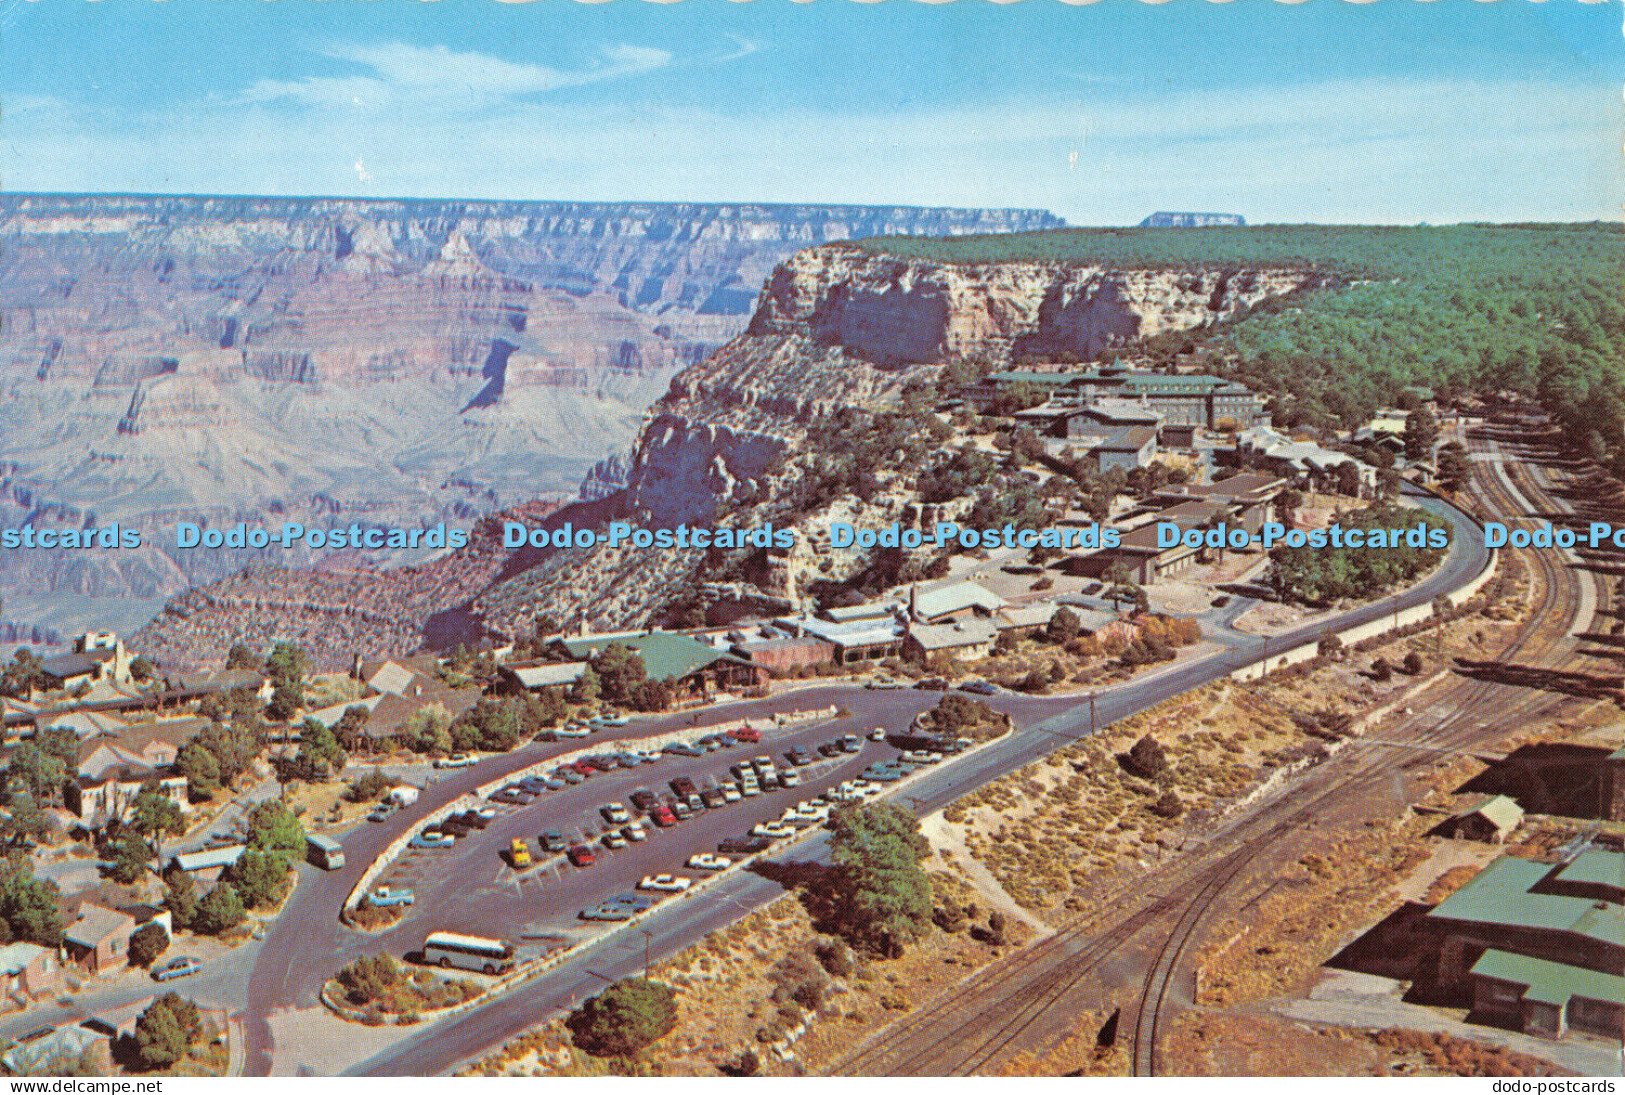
{"points": [[1188, 399], [1547, 998], [698, 669], [1557, 929]]}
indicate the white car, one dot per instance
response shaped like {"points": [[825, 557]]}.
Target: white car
{"points": [[749, 788], [730, 793], [878, 734], [773, 829], [635, 832], [705, 861], [574, 730], [456, 760], [666, 883]]}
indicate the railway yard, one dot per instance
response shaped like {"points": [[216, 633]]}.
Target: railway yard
{"points": [[1140, 954]]}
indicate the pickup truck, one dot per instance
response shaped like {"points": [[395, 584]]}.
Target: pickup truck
{"points": [[385, 897]]}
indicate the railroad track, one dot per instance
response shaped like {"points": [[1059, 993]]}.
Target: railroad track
{"points": [[994, 1008], [1543, 639]]}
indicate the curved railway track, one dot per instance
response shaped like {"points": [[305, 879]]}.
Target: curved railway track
{"points": [[1542, 639], [994, 1008]]}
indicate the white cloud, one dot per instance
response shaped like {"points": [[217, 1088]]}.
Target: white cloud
{"points": [[399, 73]]}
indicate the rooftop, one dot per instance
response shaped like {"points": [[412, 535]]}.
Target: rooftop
{"points": [[951, 636], [95, 924], [548, 673], [664, 654], [955, 597], [1504, 894], [1549, 982]]}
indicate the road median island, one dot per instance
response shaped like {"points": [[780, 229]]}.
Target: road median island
{"points": [[471, 799], [527, 971]]}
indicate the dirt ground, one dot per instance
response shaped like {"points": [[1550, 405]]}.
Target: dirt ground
{"points": [[737, 994]]}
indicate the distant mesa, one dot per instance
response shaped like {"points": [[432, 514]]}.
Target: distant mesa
{"points": [[1194, 220]]}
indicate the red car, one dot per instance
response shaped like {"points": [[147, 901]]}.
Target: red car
{"points": [[584, 768], [581, 856], [662, 816], [745, 733]]}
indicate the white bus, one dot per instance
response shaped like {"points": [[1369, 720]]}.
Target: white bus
{"points": [[325, 852], [468, 952]]}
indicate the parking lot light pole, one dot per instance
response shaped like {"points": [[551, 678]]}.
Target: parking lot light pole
{"points": [[648, 937]]}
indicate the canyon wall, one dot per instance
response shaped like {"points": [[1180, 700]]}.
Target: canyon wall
{"points": [[317, 360]]}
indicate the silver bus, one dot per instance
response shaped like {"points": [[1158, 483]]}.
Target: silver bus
{"points": [[469, 952], [324, 852]]}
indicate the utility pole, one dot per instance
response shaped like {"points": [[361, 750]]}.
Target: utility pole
{"points": [[1092, 723], [647, 938]]}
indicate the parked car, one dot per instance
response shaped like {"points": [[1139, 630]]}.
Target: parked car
{"points": [[614, 813], [433, 838], [878, 734], [829, 748], [683, 787], [645, 799], [612, 720], [666, 883], [384, 897], [705, 861], [581, 856], [932, 684], [747, 735], [980, 688], [712, 798], [789, 778], [455, 827], [519, 853], [730, 793], [477, 819], [508, 796], [681, 749], [180, 966], [663, 817], [772, 829], [744, 845], [456, 760], [851, 743], [382, 811], [569, 775], [635, 832], [607, 912], [636, 902], [573, 730], [613, 839], [799, 757], [553, 841], [883, 684], [681, 811], [604, 763]]}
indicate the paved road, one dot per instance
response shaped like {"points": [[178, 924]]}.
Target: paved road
{"points": [[443, 1045]]}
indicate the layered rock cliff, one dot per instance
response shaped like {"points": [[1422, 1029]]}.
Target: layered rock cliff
{"points": [[731, 444], [223, 359], [839, 327]]}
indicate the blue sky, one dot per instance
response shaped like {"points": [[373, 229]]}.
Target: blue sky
{"points": [[1390, 112]]}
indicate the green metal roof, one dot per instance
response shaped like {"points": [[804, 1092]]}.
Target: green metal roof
{"points": [[1500, 894], [664, 654], [1550, 982], [1596, 866], [1024, 376]]}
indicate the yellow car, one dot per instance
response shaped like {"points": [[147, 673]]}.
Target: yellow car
{"points": [[519, 853]]}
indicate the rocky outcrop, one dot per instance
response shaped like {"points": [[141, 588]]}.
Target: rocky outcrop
{"points": [[892, 312], [315, 359], [1194, 220]]}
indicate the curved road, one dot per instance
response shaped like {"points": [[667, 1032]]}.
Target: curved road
{"points": [[285, 975]]}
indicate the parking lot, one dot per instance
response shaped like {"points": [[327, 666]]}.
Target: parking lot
{"points": [[473, 886]]}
